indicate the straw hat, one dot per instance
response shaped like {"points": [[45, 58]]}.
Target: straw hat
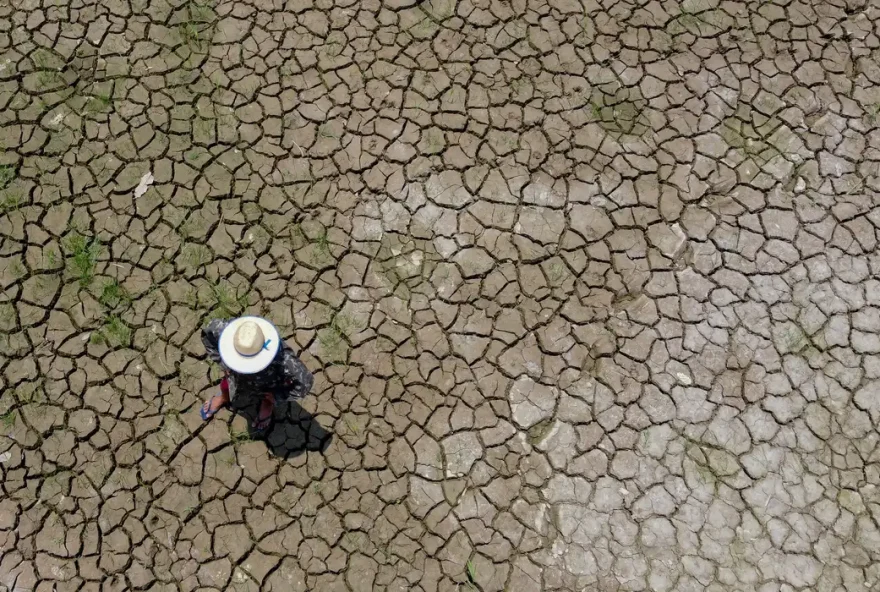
{"points": [[249, 344]]}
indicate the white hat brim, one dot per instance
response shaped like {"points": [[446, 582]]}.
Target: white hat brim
{"points": [[248, 364]]}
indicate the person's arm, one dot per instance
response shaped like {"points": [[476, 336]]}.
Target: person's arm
{"points": [[296, 377], [211, 339]]}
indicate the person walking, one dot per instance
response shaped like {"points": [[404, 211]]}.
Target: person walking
{"points": [[256, 364]]}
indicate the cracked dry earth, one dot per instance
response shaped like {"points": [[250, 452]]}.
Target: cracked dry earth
{"points": [[590, 291]]}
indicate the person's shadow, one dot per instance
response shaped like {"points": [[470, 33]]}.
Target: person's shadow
{"points": [[293, 431]]}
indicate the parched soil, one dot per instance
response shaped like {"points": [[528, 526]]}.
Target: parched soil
{"points": [[590, 289]]}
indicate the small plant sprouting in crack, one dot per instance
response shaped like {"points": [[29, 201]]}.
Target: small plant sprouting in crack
{"points": [[7, 175], [333, 339], [439, 10], [320, 254], [83, 254], [872, 114], [99, 103], [113, 332], [298, 235], [187, 374], [556, 272], [18, 270], [11, 198], [11, 201], [50, 258], [8, 420], [619, 111], [238, 437], [323, 242], [190, 35], [352, 426], [326, 131], [196, 255], [197, 18], [228, 302], [471, 572], [344, 324], [433, 141], [332, 49], [697, 18], [31, 394], [7, 314], [113, 295], [330, 340], [229, 460], [48, 72]]}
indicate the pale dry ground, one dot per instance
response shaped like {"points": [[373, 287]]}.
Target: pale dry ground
{"points": [[589, 289]]}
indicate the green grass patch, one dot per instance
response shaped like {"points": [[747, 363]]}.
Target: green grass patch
{"points": [[228, 302], [195, 25], [114, 295], [195, 255], [471, 571], [114, 332], [83, 256], [7, 175], [8, 420], [99, 103], [238, 437]]}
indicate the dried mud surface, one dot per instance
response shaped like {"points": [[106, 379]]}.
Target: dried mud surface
{"points": [[589, 288]]}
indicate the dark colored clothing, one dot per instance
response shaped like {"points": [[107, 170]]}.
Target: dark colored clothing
{"points": [[285, 377]]}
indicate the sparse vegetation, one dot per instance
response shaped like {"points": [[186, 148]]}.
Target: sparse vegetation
{"points": [[330, 339], [332, 49], [48, 69], [352, 427], [872, 113], [195, 255], [30, 393], [439, 10], [83, 256], [7, 314], [195, 24], [18, 270], [228, 459], [99, 103], [433, 140], [117, 332], [325, 130], [203, 132], [344, 324], [322, 247], [11, 197], [619, 111], [7, 175], [535, 256], [190, 35], [113, 295], [471, 572], [238, 437], [424, 29], [228, 302], [556, 272]]}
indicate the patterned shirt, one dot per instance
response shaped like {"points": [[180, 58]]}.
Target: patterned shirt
{"points": [[286, 377]]}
